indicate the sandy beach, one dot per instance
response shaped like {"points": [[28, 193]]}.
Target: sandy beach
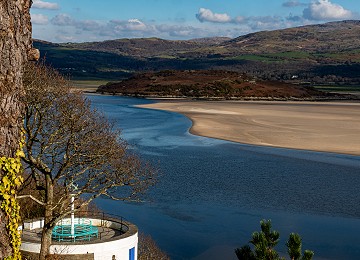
{"points": [[318, 126]]}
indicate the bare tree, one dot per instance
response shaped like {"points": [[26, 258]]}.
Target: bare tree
{"points": [[15, 49], [70, 144]]}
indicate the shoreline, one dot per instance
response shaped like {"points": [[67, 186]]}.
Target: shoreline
{"points": [[332, 127], [338, 98]]}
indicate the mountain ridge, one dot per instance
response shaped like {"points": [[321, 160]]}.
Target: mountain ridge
{"points": [[324, 35], [314, 54]]}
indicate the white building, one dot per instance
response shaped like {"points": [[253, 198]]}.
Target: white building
{"points": [[114, 239]]}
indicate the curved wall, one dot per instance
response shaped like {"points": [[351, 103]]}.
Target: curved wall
{"points": [[118, 247]]}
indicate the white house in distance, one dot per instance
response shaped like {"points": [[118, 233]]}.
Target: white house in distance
{"points": [[89, 238]]}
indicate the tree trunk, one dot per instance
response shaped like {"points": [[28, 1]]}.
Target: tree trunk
{"points": [[45, 243], [15, 44], [48, 221]]}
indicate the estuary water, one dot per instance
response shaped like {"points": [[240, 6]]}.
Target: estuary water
{"points": [[212, 194]]}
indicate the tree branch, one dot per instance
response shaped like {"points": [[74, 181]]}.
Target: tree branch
{"points": [[31, 197]]}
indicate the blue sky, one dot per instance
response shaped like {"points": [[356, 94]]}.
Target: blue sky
{"points": [[97, 20]]}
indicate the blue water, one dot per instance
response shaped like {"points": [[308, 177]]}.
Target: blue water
{"points": [[212, 193]]}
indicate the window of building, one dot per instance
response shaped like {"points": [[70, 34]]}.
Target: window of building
{"points": [[132, 253]]}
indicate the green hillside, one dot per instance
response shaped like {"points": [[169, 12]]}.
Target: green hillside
{"points": [[325, 54]]}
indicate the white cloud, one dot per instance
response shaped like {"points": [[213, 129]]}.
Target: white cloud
{"points": [[39, 19], [293, 3], [66, 28], [133, 25], [324, 10], [206, 15], [260, 23], [38, 4], [64, 38], [239, 19], [125, 28], [109, 28], [87, 25], [253, 22], [180, 31], [221, 24], [63, 20], [67, 20], [295, 18]]}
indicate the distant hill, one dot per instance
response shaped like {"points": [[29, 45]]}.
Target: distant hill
{"points": [[324, 54], [322, 38], [141, 47], [149, 47], [211, 40], [209, 84]]}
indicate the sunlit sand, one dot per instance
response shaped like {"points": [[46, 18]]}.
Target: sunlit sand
{"points": [[319, 126]]}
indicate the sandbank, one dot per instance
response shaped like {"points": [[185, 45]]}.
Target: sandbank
{"points": [[319, 126]]}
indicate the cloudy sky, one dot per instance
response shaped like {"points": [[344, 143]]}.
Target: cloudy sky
{"points": [[96, 20]]}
